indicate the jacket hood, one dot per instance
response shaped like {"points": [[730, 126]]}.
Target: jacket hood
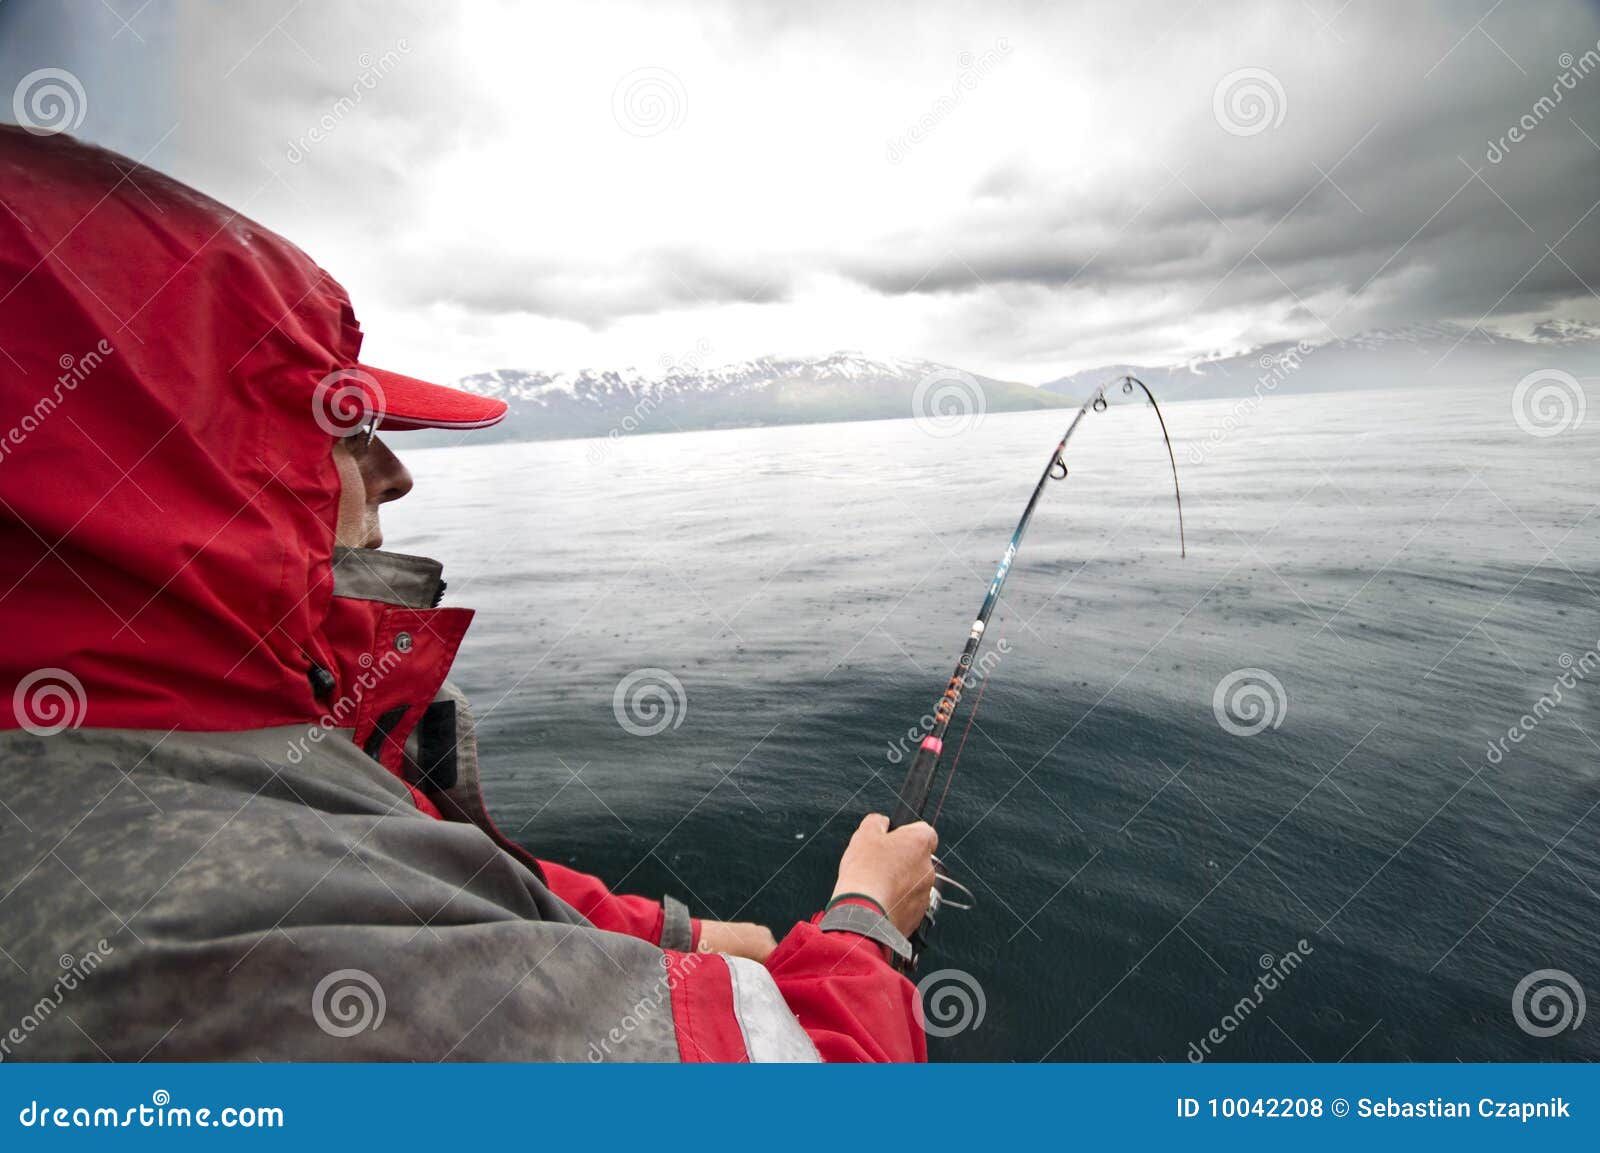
{"points": [[168, 498]]}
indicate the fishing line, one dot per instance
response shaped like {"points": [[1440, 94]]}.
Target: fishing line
{"points": [[914, 793], [955, 762]]}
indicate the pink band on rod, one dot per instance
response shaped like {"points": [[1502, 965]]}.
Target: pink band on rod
{"points": [[933, 744]]}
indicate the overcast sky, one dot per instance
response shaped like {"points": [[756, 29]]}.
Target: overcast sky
{"points": [[1018, 189]]}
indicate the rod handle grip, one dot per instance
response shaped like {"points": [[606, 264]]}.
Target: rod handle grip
{"points": [[913, 795]]}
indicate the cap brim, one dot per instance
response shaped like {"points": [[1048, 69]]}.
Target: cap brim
{"points": [[405, 402]]}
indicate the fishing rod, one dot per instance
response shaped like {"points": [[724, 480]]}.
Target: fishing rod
{"points": [[918, 786]]}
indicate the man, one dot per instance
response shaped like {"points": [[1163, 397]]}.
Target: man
{"points": [[240, 807]]}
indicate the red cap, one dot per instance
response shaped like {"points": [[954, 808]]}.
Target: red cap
{"points": [[404, 402], [351, 396]]}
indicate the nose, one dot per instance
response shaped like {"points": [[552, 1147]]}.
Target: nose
{"points": [[386, 478]]}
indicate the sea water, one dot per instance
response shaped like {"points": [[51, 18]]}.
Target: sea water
{"points": [[697, 656]]}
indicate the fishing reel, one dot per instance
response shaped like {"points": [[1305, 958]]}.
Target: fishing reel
{"points": [[938, 899]]}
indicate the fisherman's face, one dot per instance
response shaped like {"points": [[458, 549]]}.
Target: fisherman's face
{"points": [[369, 475]]}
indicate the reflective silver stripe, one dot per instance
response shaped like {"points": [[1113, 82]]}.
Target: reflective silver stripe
{"points": [[771, 1032], [867, 923], [677, 930]]}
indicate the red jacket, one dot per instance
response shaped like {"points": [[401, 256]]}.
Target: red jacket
{"points": [[167, 506]]}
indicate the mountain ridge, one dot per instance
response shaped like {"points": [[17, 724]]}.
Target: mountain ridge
{"points": [[768, 390], [1374, 359], [848, 385]]}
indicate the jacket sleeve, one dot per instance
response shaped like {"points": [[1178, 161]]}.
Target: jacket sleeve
{"points": [[639, 917], [848, 1001]]}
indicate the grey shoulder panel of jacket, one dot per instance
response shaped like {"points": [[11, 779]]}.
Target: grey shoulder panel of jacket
{"points": [[257, 895]]}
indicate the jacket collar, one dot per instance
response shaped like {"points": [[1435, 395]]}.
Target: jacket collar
{"points": [[391, 648], [413, 582]]}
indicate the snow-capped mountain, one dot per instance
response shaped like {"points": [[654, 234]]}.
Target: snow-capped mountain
{"points": [[1418, 356], [769, 390], [844, 386]]}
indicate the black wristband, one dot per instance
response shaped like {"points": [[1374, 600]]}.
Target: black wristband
{"points": [[873, 901]]}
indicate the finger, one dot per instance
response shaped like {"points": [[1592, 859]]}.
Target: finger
{"points": [[876, 822], [920, 831], [915, 888]]}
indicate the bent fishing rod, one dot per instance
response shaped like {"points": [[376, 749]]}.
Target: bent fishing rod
{"points": [[917, 789]]}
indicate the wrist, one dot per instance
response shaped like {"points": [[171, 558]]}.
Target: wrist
{"points": [[858, 898], [861, 915]]}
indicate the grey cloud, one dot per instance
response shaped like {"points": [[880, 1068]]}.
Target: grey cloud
{"points": [[1315, 234], [589, 293], [1187, 221], [1251, 220]]}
